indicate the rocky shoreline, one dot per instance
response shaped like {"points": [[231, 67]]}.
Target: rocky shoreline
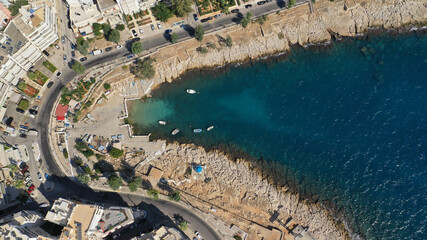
{"points": [[256, 185]]}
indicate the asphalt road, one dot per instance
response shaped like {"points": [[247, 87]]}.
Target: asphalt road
{"points": [[50, 96]]}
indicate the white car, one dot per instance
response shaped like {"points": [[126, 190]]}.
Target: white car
{"points": [[198, 235], [118, 47], [159, 26], [140, 31]]}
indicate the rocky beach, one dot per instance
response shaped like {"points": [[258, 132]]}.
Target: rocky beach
{"points": [[243, 192]]}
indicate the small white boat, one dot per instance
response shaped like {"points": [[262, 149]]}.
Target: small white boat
{"points": [[162, 122], [174, 132], [210, 128], [197, 130], [191, 91]]}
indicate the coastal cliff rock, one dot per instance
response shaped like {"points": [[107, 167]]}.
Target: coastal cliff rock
{"points": [[294, 26]]}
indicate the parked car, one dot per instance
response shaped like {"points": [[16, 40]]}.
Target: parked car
{"points": [[49, 84], [140, 31], [248, 6], [72, 46], [40, 176], [168, 30], [32, 111], [6, 133], [24, 168], [119, 46], [31, 189], [35, 108], [46, 53], [134, 33], [73, 54], [108, 49], [204, 20], [19, 110], [198, 235], [56, 46], [159, 26], [261, 3], [23, 126], [130, 55], [152, 27], [235, 11], [65, 57], [83, 59], [63, 39], [58, 73], [23, 135], [22, 131], [217, 16], [195, 17], [29, 182]]}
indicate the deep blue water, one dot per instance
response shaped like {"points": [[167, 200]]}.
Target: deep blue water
{"points": [[351, 125]]}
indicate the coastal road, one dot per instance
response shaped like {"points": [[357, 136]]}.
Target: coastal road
{"points": [[50, 96]]}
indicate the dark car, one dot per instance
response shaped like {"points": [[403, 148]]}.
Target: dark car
{"points": [[49, 84], [58, 74], [83, 59], [22, 135], [130, 55], [204, 20], [217, 16], [248, 6], [32, 111], [24, 168], [261, 3], [72, 45], [168, 30], [134, 33], [108, 49], [210, 18], [73, 54], [46, 53], [235, 11], [20, 110], [195, 17]]}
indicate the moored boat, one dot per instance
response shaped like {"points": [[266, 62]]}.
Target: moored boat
{"points": [[210, 128], [191, 91], [197, 130], [162, 122], [175, 131]]}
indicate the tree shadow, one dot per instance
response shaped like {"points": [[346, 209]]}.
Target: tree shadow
{"points": [[165, 186], [126, 172], [281, 3], [103, 166], [146, 184], [190, 30]]}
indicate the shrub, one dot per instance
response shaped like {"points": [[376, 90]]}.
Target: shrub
{"points": [[175, 196], [114, 36], [281, 35], [83, 178], [153, 193], [82, 45], [291, 3], [135, 183], [65, 152], [262, 19], [183, 225], [162, 12], [49, 66], [136, 47], [199, 32], [107, 86], [24, 104], [116, 153], [115, 181], [78, 67], [19, 183], [120, 27], [97, 29], [144, 69], [202, 50], [229, 41]]}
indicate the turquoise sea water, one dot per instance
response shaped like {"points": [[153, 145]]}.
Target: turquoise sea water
{"points": [[349, 122]]}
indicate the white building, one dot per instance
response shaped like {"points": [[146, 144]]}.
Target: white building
{"points": [[147, 4], [60, 212], [82, 14], [23, 40], [24, 225], [129, 7]]}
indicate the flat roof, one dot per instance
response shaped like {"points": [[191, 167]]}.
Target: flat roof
{"points": [[80, 219], [106, 4], [14, 39]]}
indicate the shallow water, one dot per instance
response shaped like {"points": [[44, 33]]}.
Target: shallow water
{"points": [[350, 122]]}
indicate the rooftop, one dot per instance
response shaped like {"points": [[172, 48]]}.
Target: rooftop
{"points": [[61, 110], [13, 39], [106, 4], [60, 212]]}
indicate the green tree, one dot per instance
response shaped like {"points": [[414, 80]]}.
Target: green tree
{"points": [[136, 47], [175, 196], [107, 86], [153, 193], [65, 153], [162, 12], [82, 45], [183, 225], [181, 8], [83, 178], [262, 19], [291, 3], [78, 67], [115, 181], [199, 32], [135, 183], [14, 168], [116, 153], [16, 5], [114, 36], [229, 41], [106, 28], [174, 38], [23, 196], [144, 69], [19, 183], [120, 27], [246, 20], [97, 29]]}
